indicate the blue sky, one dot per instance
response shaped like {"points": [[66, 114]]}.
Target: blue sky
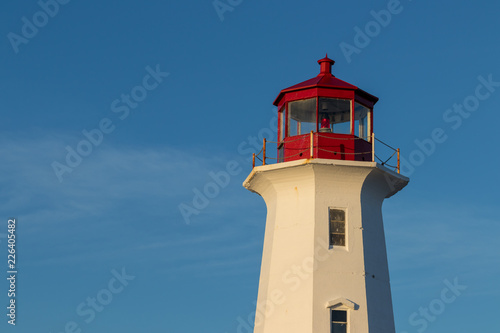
{"points": [[117, 212]]}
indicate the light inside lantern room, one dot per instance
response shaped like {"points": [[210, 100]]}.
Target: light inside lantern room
{"points": [[325, 123], [338, 112]]}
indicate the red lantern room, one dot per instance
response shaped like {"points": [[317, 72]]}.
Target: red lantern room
{"points": [[325, 117]]}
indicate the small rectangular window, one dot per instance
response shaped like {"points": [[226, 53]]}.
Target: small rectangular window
{"points": [[337, 227], [339, 321]]}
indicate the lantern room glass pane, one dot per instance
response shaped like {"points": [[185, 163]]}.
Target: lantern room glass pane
{"points": [[302, 116], [361, 121], [335, 115], [281, 121]]}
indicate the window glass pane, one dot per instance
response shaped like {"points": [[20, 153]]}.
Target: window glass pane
{"points": [[294, 128], [361, 120], [337, 215], [339, 328], [337, 227], [339, 316], [337, 239], [335, 115], [281, 116], [302, 116]]}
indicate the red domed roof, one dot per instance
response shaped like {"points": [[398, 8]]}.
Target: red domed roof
{"points": [[325, 79]]}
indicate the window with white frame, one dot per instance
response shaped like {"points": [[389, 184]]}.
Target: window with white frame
{"points": [[340, 311], [337, 227], [339, 321]]}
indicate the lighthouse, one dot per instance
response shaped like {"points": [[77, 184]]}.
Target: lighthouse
{"points": [[324, 263]]}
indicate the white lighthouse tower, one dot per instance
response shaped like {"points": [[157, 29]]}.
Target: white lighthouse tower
{"points": [[324, 263]]}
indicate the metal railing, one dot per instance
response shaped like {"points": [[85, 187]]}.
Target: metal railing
{"points": [[310, 149]]}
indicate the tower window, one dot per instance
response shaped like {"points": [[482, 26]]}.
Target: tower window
{"points": [[337, 227], [339, 321]]}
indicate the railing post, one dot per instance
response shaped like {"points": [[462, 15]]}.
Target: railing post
{"points": [[373, 147], [264, 153], [399, 162], [253, 160], [312, 145]]}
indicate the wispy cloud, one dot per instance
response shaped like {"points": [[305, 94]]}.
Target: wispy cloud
{"points": [[120, 205], [110, 176]]}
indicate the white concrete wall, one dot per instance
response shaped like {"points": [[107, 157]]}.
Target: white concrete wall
{"points": [[300, 274]]}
